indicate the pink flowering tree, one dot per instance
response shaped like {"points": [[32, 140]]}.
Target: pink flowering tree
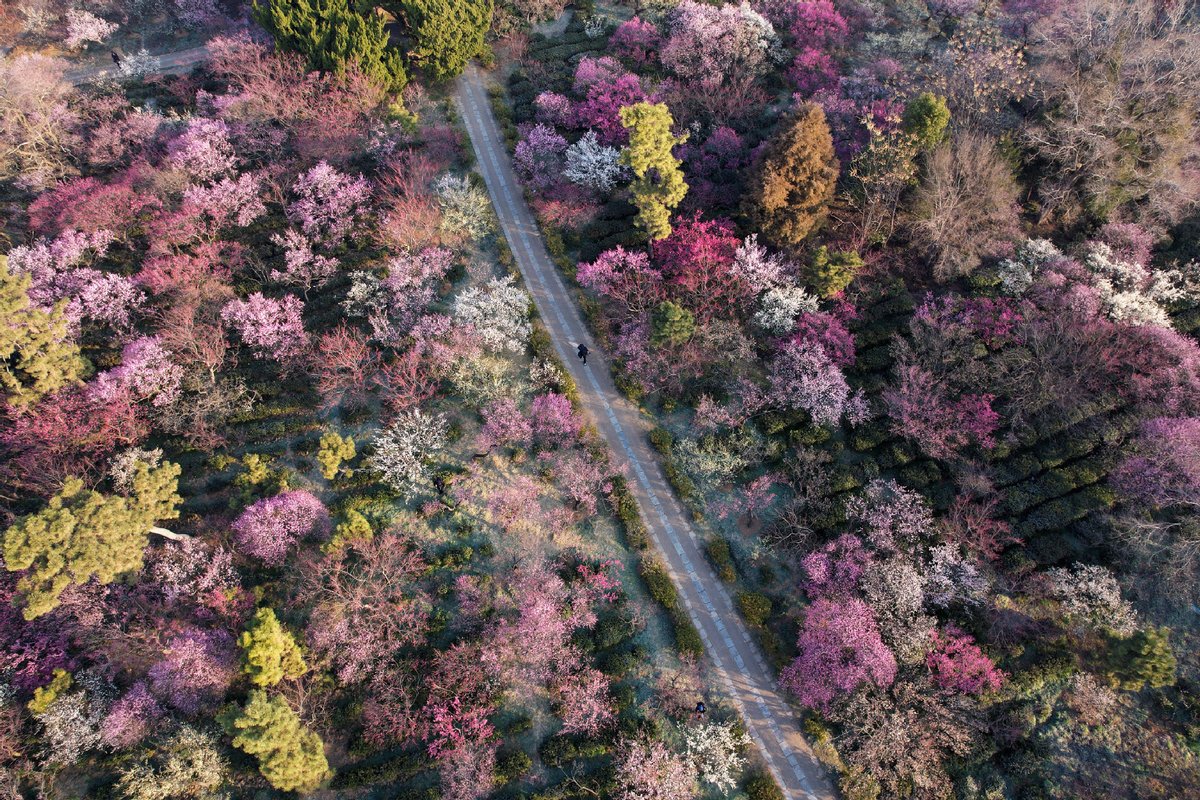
{"points": [[329, 205], [272, 527], [804, 378], [835, 569], [197, 670], [751, 499], [84, 26], [636, 41], [504, 426], [271, 328], [539, 157], [955, 662], [941, 427], [203, 150], [131, 718], [302, 266], [646, 769], [584, 703], [1165, 472], [590, 71], [892, 517], [553, 109], [709, 44], [229, 202], [579, 477], [840, 650], [554, 421], [627, 279], [367, 605], [147, 374]]}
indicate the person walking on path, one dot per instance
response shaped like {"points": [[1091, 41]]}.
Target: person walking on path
{"points": [[116, 58], [583, 353]]}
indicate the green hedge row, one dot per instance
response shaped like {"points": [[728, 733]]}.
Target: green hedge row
{"points": [[658, 583]]}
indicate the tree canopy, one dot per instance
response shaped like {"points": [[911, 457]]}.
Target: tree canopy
{"points": [[659, 185], [37, 353]]}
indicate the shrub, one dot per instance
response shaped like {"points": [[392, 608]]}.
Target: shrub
{"points": [[718, 553], [755, 607], [761, 786]]}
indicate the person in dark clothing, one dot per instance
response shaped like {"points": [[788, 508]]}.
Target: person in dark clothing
{"points": [[700, 709], [583, 353], [116, 58]]}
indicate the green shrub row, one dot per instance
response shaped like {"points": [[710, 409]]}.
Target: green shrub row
{"points": [[661, 588], [625, 507], [401, 767]]}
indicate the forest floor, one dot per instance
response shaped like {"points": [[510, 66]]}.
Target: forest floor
{"points": [[739, 665]]}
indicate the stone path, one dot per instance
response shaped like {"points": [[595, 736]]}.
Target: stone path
{"points": [[738, 663], [164, 64]]}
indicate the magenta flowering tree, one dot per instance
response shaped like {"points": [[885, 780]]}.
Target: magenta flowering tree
{"points": [[329, 205], [197, 670], [553, 420], [1165, 471], [600, 110], [840, 650], [697, 261], [813, 71], [504, 426], [131, 718], [540, 157], [941, 427], [30, 650], [715, 169], [203, 150], [627, 279], [834, 570], [271, 328], [812, 23], [955, 662], [147, 374], [829, 333], [635, 40], [804, 378], [272, 527]]}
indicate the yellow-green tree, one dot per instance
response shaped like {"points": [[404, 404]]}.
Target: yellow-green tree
{"points": [[82, 534], [796, 179], [659, 186], [269, 653], [37, 354], [332, 451], [290, 757]]}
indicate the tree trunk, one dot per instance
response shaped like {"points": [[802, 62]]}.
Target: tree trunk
{"points": [[172, 535]]}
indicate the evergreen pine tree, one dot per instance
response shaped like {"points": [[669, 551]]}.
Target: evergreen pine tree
{"points": [[673, 324], [269, 652], [291, 758], [330, 35], [446, 34], [659, 185], [37, 354], [82, 534], [1143, 658]]}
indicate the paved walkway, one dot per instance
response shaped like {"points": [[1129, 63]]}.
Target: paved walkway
{"points": [[748, 681], [164, 64]]}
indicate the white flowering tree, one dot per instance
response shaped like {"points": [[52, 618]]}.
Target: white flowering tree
{"points": [[779, 307], [593, 165], [403, 449], [715, 749], [84, 26], [465, 207], [1090, 595], [499, 313]]}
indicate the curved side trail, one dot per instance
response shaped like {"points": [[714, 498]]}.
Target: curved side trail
{"points": [[164, 64], [738, 663]]}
